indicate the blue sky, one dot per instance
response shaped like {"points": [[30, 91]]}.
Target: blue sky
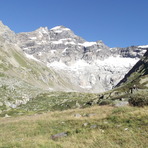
{"points": [[118, 23]]}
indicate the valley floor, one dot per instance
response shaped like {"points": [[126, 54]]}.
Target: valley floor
{"points": [[93, 127]]}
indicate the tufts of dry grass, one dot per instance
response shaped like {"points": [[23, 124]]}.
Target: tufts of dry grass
{"points": [[124, 127]]}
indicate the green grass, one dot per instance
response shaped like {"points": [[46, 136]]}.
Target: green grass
{"points": [[124, 127], [20, 59], [52, 101]]}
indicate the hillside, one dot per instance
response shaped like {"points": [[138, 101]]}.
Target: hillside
{"points": [[52, 91], [23, 77], [34, 64], [93, 127], [133, 87], [139, 70], [76, 64], [90, 66]]}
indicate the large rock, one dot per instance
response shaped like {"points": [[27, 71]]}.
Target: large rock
{"points": [[59, 135]]}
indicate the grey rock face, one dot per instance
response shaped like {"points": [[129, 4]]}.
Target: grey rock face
{"points": [[84, 66], [91, 66], [7, 34]]}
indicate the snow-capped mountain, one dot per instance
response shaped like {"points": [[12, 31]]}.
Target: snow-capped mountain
{"points": [[92, 66], [80, 65]]}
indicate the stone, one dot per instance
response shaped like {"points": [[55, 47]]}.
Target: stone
{"points": [[126, 129], [7, 116], [91, 115], [77, 115], [93, 126], [121, 103], [59, 135], [85, 124]]}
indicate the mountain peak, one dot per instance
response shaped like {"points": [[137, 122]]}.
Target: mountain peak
{"points": [[7, 33], [43, 29], [3, 27], [1, 23]]}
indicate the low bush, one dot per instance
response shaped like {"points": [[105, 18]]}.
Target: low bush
{"points": [[138, 100]]}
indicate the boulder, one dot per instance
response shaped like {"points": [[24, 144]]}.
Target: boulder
{"points": [[77, 115], [59, 135]]}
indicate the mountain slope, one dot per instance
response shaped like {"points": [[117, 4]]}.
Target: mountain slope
{"points": [[22, 76], [58, 60], [139, 70], [134, 86], [91, 66]]}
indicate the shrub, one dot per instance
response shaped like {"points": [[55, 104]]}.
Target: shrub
{"points": [[138, 100]]}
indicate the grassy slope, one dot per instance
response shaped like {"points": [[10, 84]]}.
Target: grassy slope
{"points": [[20, 76], [116, 127], [137, 76], [60, 100], [52, 101]]}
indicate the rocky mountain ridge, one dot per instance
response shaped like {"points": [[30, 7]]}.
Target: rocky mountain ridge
{"points": [[84, 66], [92, 66]]}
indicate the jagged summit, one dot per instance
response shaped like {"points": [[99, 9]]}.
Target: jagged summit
{"points": [[1, 23], [84, 66], [43, 29], [91, 66], [7, 33]]}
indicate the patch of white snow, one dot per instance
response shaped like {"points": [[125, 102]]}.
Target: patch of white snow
{"points": [[31, 57], [88, 44], [58, 65], [33, 38], [59, 29], [57, 42], [86, 87], [117, 62], [143, 46]]}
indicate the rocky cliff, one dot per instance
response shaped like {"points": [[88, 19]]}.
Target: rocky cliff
{"points": [[91, 66], [76, 64]]}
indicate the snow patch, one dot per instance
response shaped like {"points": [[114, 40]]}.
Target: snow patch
{"points": [[66, 39], [86, 87], [59, 29], [79, 64], [64, 50], [44, 41], [31, 57], [40, 53], [70, 43], [98, 50], [117, 62], [58, 65], [55, 28], [33, 38], [144, 46], [57, 42], [88, 44], [26, 48], [53, 51]]}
